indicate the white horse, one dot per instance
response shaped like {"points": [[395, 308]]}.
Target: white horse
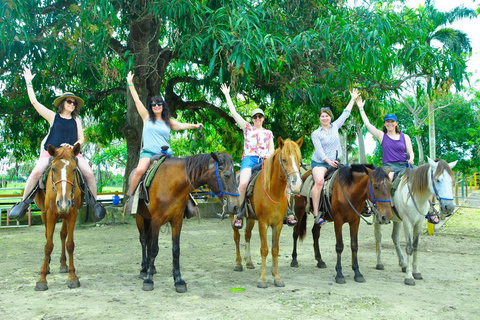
{"points": [[411, 204]]}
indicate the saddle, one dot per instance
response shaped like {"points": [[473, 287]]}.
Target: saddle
{"points": [[325, 196], [141, 192]]}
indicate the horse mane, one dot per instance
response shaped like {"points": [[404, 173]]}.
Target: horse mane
{"points": [[290, 148], [345, 173], [419, 179], [195, 165]]}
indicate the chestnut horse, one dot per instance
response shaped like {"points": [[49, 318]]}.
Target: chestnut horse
{"points": [[169, 193], [351, 187], [61, 200], [269, 202], [411, 203]]}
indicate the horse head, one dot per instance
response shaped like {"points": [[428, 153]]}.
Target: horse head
{"points": [[442, 178], [290, 157], [380, 187], [62, 175], [223, 182]]}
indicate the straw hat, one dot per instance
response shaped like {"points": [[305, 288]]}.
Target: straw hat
{"points": [[65, 95]]}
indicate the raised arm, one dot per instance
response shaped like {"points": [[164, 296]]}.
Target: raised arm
{"points": [[354, 94], [142, 111], [378, 134], [238, 118], [46, 113], [175, 125]]}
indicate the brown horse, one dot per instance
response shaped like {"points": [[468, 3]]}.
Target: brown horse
{"points": [[269, 203], [169, 192], [352, 186], [62, 199]]}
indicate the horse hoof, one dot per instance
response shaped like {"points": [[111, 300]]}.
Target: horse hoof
{"points": [[340, 280], [238, 268], [41, 286], [409, 282], [360, 279], [147, 285], [294, 264], [262, 284], [279, 283], [250, 266], [417, 276], [181, 288], [72, 284], [321, 265], [380, 267], [64, 269]]}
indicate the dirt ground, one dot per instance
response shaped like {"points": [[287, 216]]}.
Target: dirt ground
{"points": [[107, 259]]}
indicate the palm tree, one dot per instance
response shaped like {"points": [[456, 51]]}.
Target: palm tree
{"points": [[454, 40]]}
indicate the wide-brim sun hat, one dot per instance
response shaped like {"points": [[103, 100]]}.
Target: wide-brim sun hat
{"points": [[65, 95], [257, 111], [390, 116]]}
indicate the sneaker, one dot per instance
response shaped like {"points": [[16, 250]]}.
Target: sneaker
{"points": [[19, 210]]}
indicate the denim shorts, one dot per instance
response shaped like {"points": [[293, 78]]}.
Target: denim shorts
{"points": [[395, 166], [320, 164], [249, 161]]}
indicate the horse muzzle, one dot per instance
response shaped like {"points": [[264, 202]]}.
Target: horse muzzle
{"points": [[447, 207], [63, 205]]}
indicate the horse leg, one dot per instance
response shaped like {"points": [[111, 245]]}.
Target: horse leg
{"points": [[63, 257], [236, 238], [176, 224], [417, 275], [248, 237], [276, 231], [49, 230], [354, 245], [262, 230], [339, 278], [143, 225], [378, 244], [297, 230], [407, 228], [73, 281], [396, 243], [152, 251], [316, 247]]}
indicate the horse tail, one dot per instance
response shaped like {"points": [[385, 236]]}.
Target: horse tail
{"points": [[302, 231]]}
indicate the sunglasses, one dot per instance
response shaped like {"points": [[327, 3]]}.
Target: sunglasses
{"points": [[74, 102], [259, 117], [326, 108], [153, 104]]}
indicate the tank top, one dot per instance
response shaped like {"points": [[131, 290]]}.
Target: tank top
{"points": [[394, 150], [155, 135], [62, 131]]}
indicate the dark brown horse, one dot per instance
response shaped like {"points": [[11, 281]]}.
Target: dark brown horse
{"points": [[169, 192], [62, 199], [352, 186], [269, 202]]}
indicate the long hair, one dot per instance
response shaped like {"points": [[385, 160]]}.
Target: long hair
{"points": [[165, 111], [289, 148]]}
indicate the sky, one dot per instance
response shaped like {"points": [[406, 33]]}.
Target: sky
{"points": [[470, 26]]}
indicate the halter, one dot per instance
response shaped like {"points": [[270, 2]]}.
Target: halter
{"points": [[435, 190], [219, 185], [374, 200]]}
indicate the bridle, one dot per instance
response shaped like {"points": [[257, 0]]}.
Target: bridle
{"points": [[219, 185], [73, 184], [285, 171]]}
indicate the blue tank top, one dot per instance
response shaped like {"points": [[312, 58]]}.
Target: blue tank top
{"points": [[155, 135], [394, 150], [62, 131]]}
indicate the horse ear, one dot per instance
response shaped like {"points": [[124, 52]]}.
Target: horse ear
{"points": [[452, 164], [368, 169], [51, 150], [300, 142], [214, 156], [432, 163], [76, 148], [280, 142]]}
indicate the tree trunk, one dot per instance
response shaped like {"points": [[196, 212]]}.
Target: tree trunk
{"points": [[431, 130], [362, 158], [343, 144]]}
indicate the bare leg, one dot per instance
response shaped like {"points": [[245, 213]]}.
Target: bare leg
{"points": [[319, 177]]}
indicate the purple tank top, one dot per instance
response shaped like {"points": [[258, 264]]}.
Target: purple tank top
{"points": [[394, 150]]}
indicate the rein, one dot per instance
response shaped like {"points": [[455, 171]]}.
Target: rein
{"points": [[351, 205], [219, 185], [202, 129]]}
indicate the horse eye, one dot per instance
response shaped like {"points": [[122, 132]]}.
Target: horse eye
{"points": [[227, 174]]}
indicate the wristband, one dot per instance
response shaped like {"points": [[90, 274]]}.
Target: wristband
{"points": [[130, 85]]}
